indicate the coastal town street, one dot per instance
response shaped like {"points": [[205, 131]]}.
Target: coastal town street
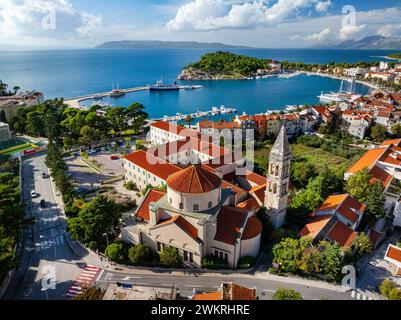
{"points": [[49, 249], [45, 251]]}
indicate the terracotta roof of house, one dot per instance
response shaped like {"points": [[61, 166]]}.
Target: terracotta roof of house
{"points": [[151, 196], [183, 224], [397, 142], [332, 202], [379, 174], [252, 229], [219, 125], [194, 179], [235, 292], [154, 165], [342, 234], [315, 225], [208, 296], [394, 253], [367, 160], [179, 130], [229, 223], [351, 209], [391, 157]]}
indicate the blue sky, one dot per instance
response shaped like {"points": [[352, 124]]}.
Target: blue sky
{"points": [[273, 23]]}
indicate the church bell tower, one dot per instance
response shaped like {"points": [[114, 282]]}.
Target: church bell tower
{"points": [[278, 179]]}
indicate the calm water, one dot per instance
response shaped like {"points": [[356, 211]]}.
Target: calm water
{"points": [[73, 73]]}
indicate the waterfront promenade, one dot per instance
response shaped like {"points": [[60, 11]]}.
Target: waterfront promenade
{"points": [[74, 102]]}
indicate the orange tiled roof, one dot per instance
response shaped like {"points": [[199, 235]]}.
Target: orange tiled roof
{"points": [[332, 202], [351, 209], [208, 296], [313, 228], [183, 224], [388, 157], [179, 130], [235, 292], [367, 160], [219, 125], [154, 165], [397, 142], [379, 174], [394, 253], [194, 179], [342, 234], [252, 229], [229, 223], [143, 209]]}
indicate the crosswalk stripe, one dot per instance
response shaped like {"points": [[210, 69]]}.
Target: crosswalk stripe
{"points": [[353, 294], [75, 291], [365, 297], [92, 273], [358, 296], [85, 278], [91, 266]]}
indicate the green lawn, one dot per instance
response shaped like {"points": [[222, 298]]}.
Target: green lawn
{"points": [[301, 153]]}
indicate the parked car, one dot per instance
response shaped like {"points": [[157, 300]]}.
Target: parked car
{"points": [[114, 157], [44, 175], [33, 194]]}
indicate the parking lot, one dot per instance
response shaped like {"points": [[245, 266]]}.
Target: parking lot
{"points": [[108, 166]]}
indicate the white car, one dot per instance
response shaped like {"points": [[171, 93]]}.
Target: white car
{"points": [[33, 194]]}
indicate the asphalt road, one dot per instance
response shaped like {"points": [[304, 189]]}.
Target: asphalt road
{"points": [[186, 283], [47, 255], [46, 258]]}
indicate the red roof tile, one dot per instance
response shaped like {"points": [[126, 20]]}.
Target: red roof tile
{"points": [[154, 165], [394, 253], [351, 209], [143, 209], [229, 223], [194, 179], [379, 174], [235, 292], [315, 225], [342, 234], [183, 224], [252, 229]]}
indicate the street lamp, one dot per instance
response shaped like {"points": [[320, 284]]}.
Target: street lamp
{"points": [[107, 238]]}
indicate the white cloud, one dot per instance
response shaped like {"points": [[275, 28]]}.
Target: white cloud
{"points": [[204, 15], [319, 36], [351, 31], [323, 6], [25, 19], [390, 30]]}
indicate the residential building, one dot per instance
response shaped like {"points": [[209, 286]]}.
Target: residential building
{"points": [[354, 72], [383, 65], [337, 219], [5, 133], [385, 76], [228, 292], [130, 292], [393, 257], [356, 122], [10, 104], [383, 164]]}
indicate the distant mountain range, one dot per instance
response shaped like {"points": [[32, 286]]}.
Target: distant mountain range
{"points": [[150, 44], [371, 42]]}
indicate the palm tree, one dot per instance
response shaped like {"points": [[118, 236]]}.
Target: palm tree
{"points": [[16, 88]]}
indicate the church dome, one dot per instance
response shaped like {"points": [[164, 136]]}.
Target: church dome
{"points": [[194, 180]]}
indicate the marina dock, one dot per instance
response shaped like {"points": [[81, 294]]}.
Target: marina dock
{"points": [[75, 102]]}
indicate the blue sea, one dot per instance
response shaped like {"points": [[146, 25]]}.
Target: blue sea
{"points": [[72, 73]]}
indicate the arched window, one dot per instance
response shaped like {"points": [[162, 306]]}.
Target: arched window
{"points": [[181, 206], [277, 169], [196, 207], [275, 188], [272, 168], [171, 200], [210, 204]]}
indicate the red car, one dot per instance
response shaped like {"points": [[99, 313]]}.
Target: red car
{"points": [[114, 158]]}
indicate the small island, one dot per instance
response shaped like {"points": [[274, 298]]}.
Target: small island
{"points": [[222, 65]]}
